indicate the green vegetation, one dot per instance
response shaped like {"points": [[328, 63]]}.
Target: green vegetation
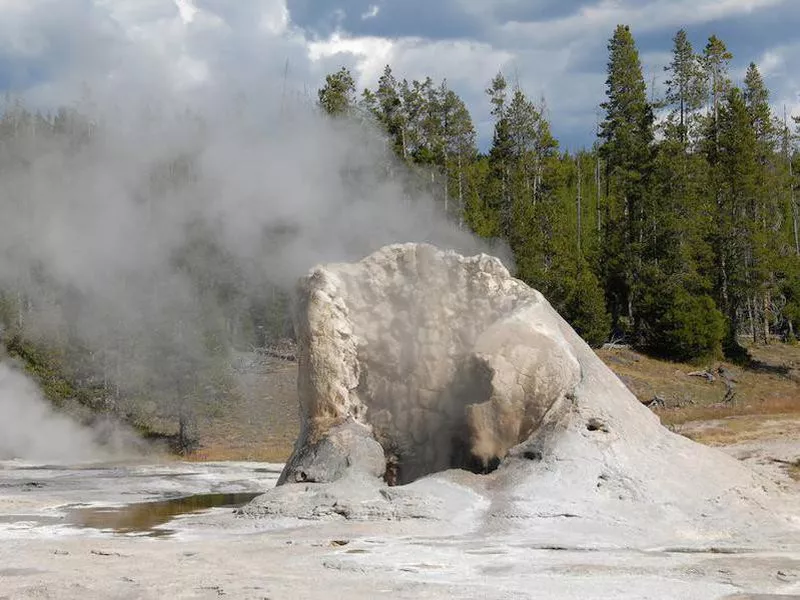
{"points": [[676, 232]]}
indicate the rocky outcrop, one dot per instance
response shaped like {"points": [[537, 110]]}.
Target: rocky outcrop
{"points": [[444, 361]]}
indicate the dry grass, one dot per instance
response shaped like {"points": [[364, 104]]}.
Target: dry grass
{"points": [[770, 386], [269, 451], [785, 407], [259, 423], [767, 390], [734, 430]]}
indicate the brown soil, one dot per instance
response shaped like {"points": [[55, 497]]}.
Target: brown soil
{"points": [[759, 425], [261, 421], [770, 385]]}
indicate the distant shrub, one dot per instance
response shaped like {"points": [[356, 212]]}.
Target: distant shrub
{"points": [[678, 325], [693, 327]]}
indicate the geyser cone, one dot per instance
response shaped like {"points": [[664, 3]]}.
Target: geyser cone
{"points": [[440, 359], [415, 360]]}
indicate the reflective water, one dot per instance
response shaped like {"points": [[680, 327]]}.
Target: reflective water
{"points": [[146, 517]]}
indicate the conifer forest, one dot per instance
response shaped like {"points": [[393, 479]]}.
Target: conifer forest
{"points": [[677, 231]]}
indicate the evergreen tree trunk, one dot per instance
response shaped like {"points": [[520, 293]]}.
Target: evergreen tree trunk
{"points": [[460, 194], [597, 183], [751, 319], [579, 228], [446, 188], [766, 312], [793, 206]]}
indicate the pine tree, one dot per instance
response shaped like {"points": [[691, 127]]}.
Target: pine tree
{"points": [[457, 147], [756, 96], [531, 144], [386, 105], [627, 136], [686, 85], [501, 154], [788, 263], [736, 175], [765, 213], [673, 293], [429, 127], [338, 96], [415, 97], [715, 62], [548, 257]]}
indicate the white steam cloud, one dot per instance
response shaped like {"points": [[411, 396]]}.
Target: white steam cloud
{"points": [[31, 430], [145, 233]]}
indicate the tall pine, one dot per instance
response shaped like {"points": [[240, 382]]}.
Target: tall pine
{"points": [[338, 96], [735, 174], [627, 138], [686, 86]]}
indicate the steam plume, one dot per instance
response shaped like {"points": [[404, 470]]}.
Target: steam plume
{"points": [[145, 235]]}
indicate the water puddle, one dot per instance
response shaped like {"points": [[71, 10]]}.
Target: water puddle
{"points": [[144, 517]]}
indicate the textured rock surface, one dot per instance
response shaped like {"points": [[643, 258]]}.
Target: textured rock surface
{"points": [[444, 360], [447, 361], [330, 457]]}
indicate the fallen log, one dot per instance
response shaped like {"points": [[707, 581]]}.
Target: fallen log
{"points": [[704, 374], [656, 402]]}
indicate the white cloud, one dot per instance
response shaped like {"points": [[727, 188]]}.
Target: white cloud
{"points": [[602, 17], [467, 66], [183, 44], [370, 54], [371, 12], [777, 65], [187, 10], [275, 18], [771, 62]]}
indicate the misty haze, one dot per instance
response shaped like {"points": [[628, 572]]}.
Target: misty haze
{"points": [[146, 252], [320, 299]]}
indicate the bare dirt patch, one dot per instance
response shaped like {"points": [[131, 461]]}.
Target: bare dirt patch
{"points": [[768, 385], [259, 422]]}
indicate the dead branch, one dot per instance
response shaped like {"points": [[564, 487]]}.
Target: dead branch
{"points": [[616, 344], [704, 374], [656, 402]]}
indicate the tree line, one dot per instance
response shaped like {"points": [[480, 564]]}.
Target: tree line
{"points": [[677, 231]]}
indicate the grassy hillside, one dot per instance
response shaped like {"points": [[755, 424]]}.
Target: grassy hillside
{"points": [[766, 391]]}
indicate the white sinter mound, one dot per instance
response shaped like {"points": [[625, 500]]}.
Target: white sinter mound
{"points": [[418, 365]]}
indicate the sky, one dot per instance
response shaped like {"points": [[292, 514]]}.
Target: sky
{"points": [[52, 51]]}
